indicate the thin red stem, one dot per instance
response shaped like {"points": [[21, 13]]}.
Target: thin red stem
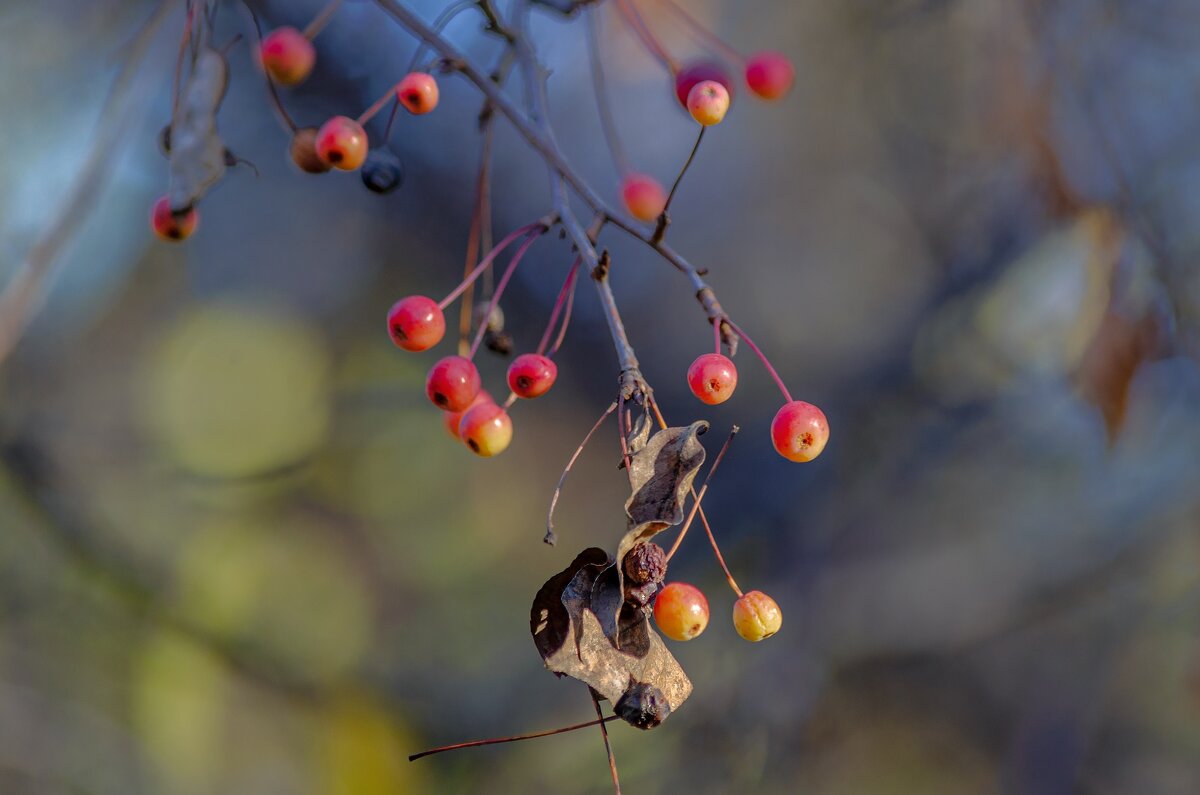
{"points": [[612, 760], [276, 102], [508, 272], [550, 537], [376, 106], [513, 739], [443, 19], [701, 31], [321, 20], [540, 226], [647, 37], [717, 334], [787, 396], [559, 302], [475, 235], [562, 330]]}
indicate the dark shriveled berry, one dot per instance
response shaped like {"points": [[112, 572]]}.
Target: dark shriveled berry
{"points": [[382, 173], [647, 562], [643, 706]]}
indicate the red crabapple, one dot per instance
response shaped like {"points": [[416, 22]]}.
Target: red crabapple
{"points": [[487, 429], [418, 92], [770, 75], [687, 78], [416, 323], [173, 226], [451, 419], [342, 143], [287, 56], [452, 383], [799, 431], [756, 616], [303, 151], [643, 195], [681, 611], [708, 102], [712, 378], [531, 375]]}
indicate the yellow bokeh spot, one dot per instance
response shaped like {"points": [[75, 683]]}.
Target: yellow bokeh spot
{"points": [[363, 752]]}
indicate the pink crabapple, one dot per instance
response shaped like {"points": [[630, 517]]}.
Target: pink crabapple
{"points": [[643, 196], [712, 378], [287, 56], [486, 429], [173, 226], [770, 75], [799, 431], [708, 102], [687, 78], [418, 92], [756, 616], [531, 375], [452, 383], [342, 143], [416, 323], [681, 611], [452, 419]]}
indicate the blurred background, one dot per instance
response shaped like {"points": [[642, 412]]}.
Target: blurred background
{"points": [[239, 552]]}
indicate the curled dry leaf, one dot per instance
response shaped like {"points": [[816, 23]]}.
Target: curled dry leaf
{"points": [[574, 621], [197, 155]]}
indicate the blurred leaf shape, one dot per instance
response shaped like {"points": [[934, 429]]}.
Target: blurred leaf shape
{"points": [[237, 392], [179, 710], [362, 751], [1035, 320], [197, 153], [1113, 358], [287, 590]]}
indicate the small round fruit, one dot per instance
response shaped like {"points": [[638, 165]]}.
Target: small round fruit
{"points": [[452, 383], [799, 431], [770, 75], [303, 151], [708, 102], [452, 419], [418, 92], [681, 611], [342, 143], [486, 429], [287, 56], [756, 616], [642, 706], [643, 196], [712, 378], [173, 226], [687, 78], [382, 172], [416, 323], [531, 375]]}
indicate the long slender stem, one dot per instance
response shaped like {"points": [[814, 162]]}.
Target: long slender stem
{"points": [[321, 20], [276, 101], [701, 31], [377, 106], [508, 272], [664, 217], [600, 89], [567, 289], [443, 19], [538, 226], [562, 330], [515, 738], [550, 537], [612, 760], [482, 184], [635, 21], [717, 335], [787, 396]]}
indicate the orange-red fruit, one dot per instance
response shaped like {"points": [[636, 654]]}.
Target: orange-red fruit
{"points": [[452, 383], [681, 611], [451, 419], [643, 196], [342, 143], [416, 323], [756, 616], [770, 75], [486, 429], [287, 56], [708, 102], [418, 92], [303, 151], [712, 378], [531, 375], [799, 431], [687, 78], [173, 226]]}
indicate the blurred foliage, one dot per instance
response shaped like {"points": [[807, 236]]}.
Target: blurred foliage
{"points": [[239, 552]]}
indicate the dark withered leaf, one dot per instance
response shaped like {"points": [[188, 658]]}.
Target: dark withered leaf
{"points": [[575, 641], [639, 434], [197, 156], [661, 473]]}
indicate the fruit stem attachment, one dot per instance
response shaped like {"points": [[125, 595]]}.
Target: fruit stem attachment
{"points": [[565, 295], [491, 307], [321, 20], [537, 226], [660, 229], [787, 396], [550, 538], [717, 334], [513, 739]]}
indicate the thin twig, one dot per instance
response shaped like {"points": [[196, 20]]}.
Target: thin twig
{"points": [[600, 89], [664, 218], [612, 760], [550, 538], [513, 739]]}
